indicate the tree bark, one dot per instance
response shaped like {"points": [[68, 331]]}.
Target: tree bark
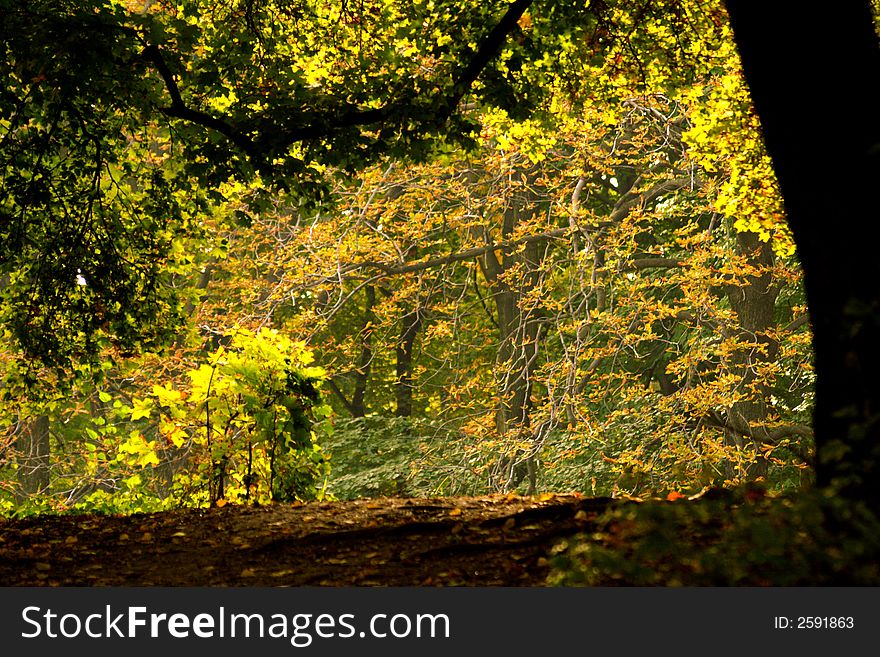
{"points": [[365, 360], [410, 324], [519, 337], [796, 60], [754, 302]]}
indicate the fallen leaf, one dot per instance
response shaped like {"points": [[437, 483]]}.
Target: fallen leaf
{"points": [[455, 512]]}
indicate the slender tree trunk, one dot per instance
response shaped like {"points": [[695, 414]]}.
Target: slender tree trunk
{"points": [[32, 446], [793, 58], [410, 324], [365, 360]]}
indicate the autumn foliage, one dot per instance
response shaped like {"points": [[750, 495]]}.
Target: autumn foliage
{"points": [[583, 281]]}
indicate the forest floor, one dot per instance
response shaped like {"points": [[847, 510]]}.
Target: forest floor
{"points": [[498, 540]]}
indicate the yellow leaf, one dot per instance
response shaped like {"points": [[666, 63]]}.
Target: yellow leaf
{"points": [[149, 458], [141, 408], [165, 394]]}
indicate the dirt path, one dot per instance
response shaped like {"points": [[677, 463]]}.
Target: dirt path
{"points": [[494, 540]]}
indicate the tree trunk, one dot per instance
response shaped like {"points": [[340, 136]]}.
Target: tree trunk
{"points": [[754, 303], [32, 447], [519, 337], [362, 373], [795, 59], [410, 324]]}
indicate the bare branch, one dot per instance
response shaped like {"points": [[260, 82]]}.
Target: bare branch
{"points": [[629, 200], [422, 265], [796, 323], [652, 263]]}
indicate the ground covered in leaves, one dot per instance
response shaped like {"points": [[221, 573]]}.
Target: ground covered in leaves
{"points": [[499, 540]]}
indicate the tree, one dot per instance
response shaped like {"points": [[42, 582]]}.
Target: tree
{"points": [[791, 56]]}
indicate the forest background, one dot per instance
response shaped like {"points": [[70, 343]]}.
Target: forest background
{"points": [[259, 251]]}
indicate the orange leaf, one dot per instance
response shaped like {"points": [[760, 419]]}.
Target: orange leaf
{"points": [[674, 495]]}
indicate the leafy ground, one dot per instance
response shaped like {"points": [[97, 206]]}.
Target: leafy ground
{"points": [[480, 541]]}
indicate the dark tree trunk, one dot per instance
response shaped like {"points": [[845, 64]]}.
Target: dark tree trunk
{"points": [[410, 324], [358, 405], [32, 447], [799, 60]]}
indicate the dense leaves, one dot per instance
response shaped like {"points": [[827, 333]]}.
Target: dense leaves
{"points": [[550, 229]]}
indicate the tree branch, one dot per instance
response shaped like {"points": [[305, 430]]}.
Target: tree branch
{"points": [[652, 263], [487, 50], [316, 125], [422, 265], [796, 323], [630, 200], [768, 436], [336, 391], [179, 109]]}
